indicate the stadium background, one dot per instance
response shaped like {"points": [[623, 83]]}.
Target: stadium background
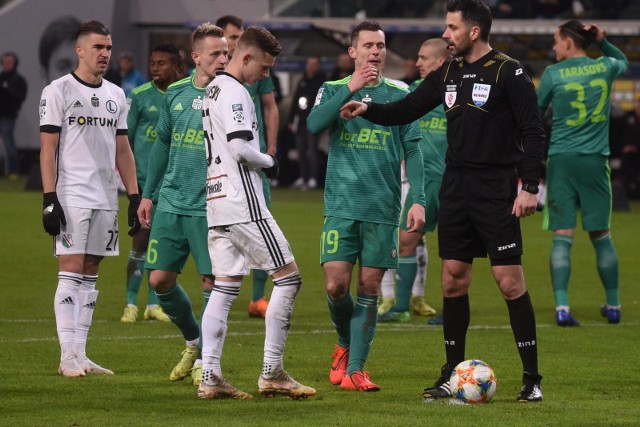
{"points": [[304, 27]]}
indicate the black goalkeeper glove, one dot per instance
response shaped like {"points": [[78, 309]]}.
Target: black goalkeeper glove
{"points": [[132, 213], [272, 171], [52, 214]]}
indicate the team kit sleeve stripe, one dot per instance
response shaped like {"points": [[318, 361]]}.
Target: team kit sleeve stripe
{"points": [[241, 134]]}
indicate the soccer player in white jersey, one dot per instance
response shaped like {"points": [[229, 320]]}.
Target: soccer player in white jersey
{"points": [[242, 231], [83, 137]]}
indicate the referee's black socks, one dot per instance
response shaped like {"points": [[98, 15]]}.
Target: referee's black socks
{"points": [[455, 317], [523, 324]]}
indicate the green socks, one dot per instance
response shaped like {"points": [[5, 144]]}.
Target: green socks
{"points": [[560, 262], [135, 270], [341, 312], [259, 284], [177, 305], [407, 269], [607, 260], [363, 327]]}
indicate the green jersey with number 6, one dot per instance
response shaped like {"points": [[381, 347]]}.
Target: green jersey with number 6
{"points": [[179, 150], [579, 90]]}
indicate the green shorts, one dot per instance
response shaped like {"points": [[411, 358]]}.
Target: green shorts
{"points": [[374, 245], [578, 182], [266, 188], [431, 189], [173, 237]]}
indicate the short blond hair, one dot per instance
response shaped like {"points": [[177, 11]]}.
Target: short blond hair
{"points": [[203, 31]]}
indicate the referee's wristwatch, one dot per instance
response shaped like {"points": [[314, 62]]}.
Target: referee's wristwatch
{"points": [[530, 188]]}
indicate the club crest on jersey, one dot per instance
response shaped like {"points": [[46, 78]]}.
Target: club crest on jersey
{"points": [[67, 240], [112, 107], [238, 114], [95, 101], [480, 94], [196, 104], [450, 98], [367, 99]]}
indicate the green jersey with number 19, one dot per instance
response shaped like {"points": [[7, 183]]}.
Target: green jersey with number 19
{"points": [[363, 172], [579, 90], [180, 128]]}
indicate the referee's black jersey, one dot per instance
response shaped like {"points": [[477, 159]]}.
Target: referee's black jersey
{"points": [[492, 112]]}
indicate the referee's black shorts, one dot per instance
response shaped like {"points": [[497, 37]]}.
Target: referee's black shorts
{"points": [[475, 216]]}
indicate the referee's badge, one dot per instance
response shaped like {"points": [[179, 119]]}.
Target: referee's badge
{"points": [[450, 98], [480, 94]]}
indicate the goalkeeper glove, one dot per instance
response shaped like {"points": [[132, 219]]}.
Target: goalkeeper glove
{"points": [[132, 213], [52, 214], [272, 171]]}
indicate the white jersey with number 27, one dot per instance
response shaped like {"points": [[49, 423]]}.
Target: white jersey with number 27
{"points": [[87, 118]]}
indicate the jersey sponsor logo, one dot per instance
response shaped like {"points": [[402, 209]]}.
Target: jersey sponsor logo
{"points": [[178, 107], [238, 113], [77, 104], [93, 121], [318, 96], [434, 123], [95, 101], [480, 94], [468, 76], [197, 103], [450, 98], [373, 138], [151, 133], [191, 136], [112, 107], [216, 187], [518, 71]]}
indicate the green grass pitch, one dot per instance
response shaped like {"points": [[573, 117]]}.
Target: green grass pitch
{"points": [[590, 376]]}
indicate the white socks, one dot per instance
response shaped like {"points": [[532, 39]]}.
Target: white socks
{"points": [[214, 326], [278, 321], [388, 284], [65, 305]]}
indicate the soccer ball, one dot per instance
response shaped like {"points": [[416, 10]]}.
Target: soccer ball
{"points": [[473, 381]]}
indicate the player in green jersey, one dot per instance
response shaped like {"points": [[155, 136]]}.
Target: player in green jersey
{"points": [[145, 102], [268, 116], [362, 201], [179, 223], [432, 54], [578, 173]]}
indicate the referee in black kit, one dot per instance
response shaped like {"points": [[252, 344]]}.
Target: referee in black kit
{"points": [[495, 136]]}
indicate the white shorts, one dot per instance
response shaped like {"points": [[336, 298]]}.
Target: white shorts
{"points": [[234, 249], [88, 231]]}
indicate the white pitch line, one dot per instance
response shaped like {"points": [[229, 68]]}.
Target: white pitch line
{"points": [[381, 328]]}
